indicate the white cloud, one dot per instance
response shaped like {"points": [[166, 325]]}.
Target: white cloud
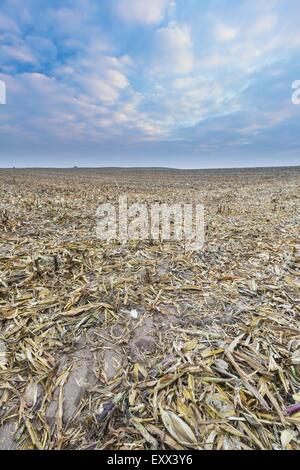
{"points": [[8, 24], [98, 89], [215, 60], [53, 110], [142, 11], [225, 33], [56, 111], [100, 77], [173, 50], [187, 102], [19, 52], [185, 73], [264, 24], [106, 89], [183, 83]]}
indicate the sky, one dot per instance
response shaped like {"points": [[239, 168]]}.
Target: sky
{"points": [[185, 83]]}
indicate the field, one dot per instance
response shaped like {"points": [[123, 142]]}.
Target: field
{"points": [[145, 345]]}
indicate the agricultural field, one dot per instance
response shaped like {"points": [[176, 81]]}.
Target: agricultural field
{"points": [[145, 345]]}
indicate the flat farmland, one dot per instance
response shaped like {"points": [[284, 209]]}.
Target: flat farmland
{"points": [[146, 345]]}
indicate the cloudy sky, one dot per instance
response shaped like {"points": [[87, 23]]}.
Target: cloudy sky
{"points": [[185, 83]]}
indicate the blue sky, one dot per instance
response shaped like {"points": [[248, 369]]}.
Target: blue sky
{"points": [[185, 83]]}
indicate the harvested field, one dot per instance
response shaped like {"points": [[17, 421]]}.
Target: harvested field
{"points": [[146, 346]]}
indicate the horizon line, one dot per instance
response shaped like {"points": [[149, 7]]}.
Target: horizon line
{"points": [[77, 167]]}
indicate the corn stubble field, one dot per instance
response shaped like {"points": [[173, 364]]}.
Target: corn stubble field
{"points": [[147, 346]]}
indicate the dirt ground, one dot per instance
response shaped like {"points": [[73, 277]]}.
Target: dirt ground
{"points": [[144, 345]]}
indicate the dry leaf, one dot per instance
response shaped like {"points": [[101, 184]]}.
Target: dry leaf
{"points": [[286, 437], [178, 429], [30, 395]]}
